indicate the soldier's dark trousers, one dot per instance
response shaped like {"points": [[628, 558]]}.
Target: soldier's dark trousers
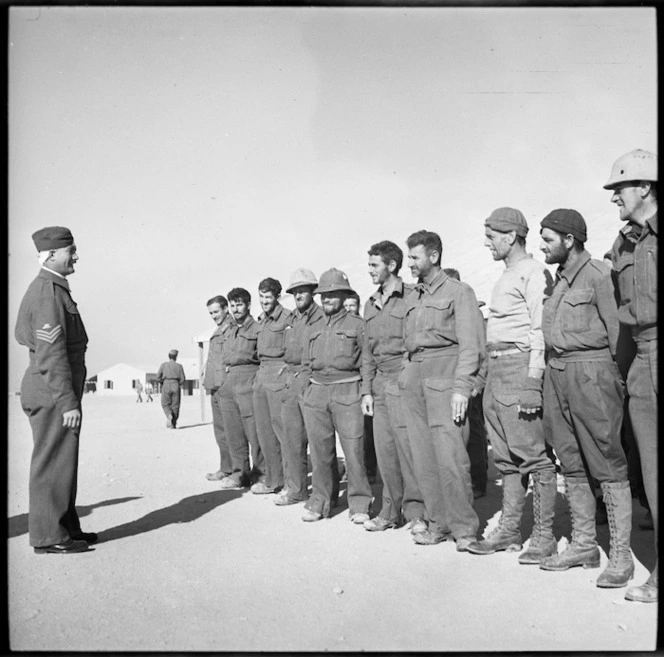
{"points": [[642, 390], [52, 516], [328, 408], [237, 409], [438, 443], [268, 395], [225, 463], [170, 398], [583, 402], [393, 453], [294, 444]]}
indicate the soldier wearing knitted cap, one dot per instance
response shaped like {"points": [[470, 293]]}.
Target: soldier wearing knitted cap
{"points": [[50, 325], [581, 328], [512, 403], [332, 403], [171, 377], [633, 183], [307, 316]]}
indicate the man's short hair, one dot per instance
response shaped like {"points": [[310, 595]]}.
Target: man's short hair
{"points": [[239, 294], [387, 251], [430, 241], [270, 285], [521, 240], [221, 300], [353, 295], [452, 273]]}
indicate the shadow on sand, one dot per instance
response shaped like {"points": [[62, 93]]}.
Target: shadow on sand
{"points": [[18, 525], [187, 509]]}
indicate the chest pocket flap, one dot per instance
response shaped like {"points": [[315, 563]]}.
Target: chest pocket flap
{"points": [[579, 297]]}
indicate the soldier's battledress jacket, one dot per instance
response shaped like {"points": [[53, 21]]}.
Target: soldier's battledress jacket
{"points": [[296, 342], [335, 349], [383, 340], [271, 333], [634, 256], [581, 315], [50, 325], [240, 346], [215, 370]]}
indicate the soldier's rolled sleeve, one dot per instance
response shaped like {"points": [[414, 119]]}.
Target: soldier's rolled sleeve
{"points": [[361, 337], [470, 335], [535, 292], [51, 353]]}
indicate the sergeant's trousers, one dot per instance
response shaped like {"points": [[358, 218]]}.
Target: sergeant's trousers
{"points": [[52, 515], [642, 390], [393, 452], [268, 396], [237, 409], [170, 398], [294, 444], [438, 443], [225, 464], [583, 412], [326, 408], [517, 439]]}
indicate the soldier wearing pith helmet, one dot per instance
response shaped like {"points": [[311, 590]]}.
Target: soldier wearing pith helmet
{"points": [[633, 183], [332, 402], [50, 326]]}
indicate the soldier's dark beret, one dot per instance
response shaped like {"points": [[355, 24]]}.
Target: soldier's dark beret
{"points": [[52, 237]]}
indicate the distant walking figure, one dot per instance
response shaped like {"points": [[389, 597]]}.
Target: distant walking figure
{"points": [[148, 392], [171, 377], [139, 391]]}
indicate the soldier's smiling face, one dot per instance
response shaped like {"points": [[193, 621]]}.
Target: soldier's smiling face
{"points": [[217, 313], [268, 301], [304, 296], [332, 302], [62, 260]]}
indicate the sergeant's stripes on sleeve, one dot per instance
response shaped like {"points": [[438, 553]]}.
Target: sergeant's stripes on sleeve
{"points": [[49, 334]]}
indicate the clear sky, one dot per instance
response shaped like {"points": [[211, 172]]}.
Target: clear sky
{"points": [[192, 150]]}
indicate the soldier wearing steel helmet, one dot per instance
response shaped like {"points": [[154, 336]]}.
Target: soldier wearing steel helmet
{"points": [[633, 183], [50, 325], [307, 315], [332, 402]]}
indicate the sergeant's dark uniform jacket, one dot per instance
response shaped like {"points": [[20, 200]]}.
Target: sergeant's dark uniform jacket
{"points": [[50, 326]]}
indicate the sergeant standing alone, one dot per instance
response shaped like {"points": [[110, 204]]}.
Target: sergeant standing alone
{"points": [[50, 325], [171, 377]]}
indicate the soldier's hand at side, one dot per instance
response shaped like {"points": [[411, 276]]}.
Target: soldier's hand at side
{"points": [[72, 419], [367, 404], [459, 406]]}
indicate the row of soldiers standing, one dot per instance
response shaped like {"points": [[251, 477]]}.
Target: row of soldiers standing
{"points": [[546, 363]]}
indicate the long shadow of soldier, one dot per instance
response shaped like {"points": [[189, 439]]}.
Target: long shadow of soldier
{"points": [[18, 525], [187, 509]]}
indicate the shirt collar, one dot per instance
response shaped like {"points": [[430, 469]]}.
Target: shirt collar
{"points": [[436, 282], [397, 291], [569, 273], [274, 316], [51, 275], [336, 319], [652, 223]]}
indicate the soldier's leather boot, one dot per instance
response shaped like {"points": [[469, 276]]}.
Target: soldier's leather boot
{"points": [[542, 542], [507, 535], [583, 550], [646, 592], [618, 501]]}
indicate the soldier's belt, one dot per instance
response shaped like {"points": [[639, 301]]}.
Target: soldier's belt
{"points": [[423, 352], [497, 353]]}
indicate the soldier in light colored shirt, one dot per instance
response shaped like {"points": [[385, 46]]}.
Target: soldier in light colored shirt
{"points": [[513, 393]]}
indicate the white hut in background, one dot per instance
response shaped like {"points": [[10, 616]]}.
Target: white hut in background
{"points": [[120, 379]]}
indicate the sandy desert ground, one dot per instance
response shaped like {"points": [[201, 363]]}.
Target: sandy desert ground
{"points": [[183, 566]]}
